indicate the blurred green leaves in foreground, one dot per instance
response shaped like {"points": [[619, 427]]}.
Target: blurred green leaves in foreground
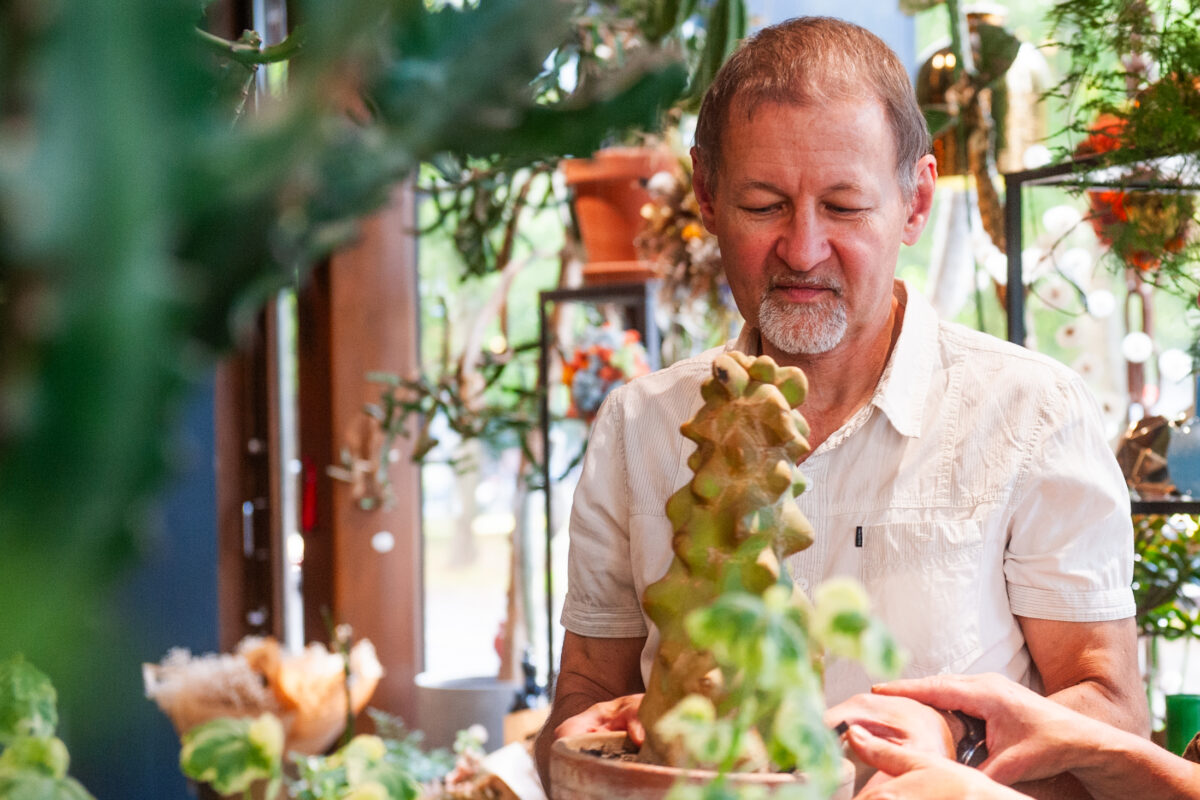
{"points": [[144, 219], [33, 761]]}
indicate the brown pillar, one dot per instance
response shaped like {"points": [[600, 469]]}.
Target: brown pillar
{"points": [[373, 324]]}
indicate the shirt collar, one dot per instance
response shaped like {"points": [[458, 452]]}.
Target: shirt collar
{"points": [[905, 381], [904, 384]]}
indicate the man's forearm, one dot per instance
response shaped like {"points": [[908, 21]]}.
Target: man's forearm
{"points": [[565, 706], [1107, 703], [592, 671]]}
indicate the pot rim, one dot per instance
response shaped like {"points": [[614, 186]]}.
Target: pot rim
{"points": [[570, 749]]}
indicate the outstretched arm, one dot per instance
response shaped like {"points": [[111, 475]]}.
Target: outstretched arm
{"points": [[1032, 737], [592, 671]]}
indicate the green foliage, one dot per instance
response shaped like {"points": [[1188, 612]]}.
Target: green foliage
{"points": [[737, 681], [769, 650], [1135, 64], [27, 702], [144, 219], [33, 761], [363, 768], [404, 747], [27, 785], [1166, 576], [844, 626], [232, 754]]}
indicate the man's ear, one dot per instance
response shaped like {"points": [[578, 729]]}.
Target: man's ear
{"points": [[921, 203], [704, 194]]}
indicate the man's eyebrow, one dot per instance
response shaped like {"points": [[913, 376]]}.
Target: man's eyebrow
{"points": [[767, 186]]}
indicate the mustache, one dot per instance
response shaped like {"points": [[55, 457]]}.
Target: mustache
{"points": [[790, 282]]}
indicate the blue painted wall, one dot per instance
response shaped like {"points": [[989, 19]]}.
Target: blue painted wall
{"points": [[122, 747]]}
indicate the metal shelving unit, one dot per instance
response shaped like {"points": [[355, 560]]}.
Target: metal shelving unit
{"points": [[1183, 174], [637, 299]]}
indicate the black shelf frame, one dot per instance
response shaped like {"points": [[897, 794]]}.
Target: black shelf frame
{"points": [[1085, 173], [638, 298]]}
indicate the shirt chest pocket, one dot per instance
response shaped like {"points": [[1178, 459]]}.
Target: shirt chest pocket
{"points": [[924, 579]]}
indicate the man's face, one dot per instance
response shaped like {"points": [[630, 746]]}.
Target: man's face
{"points": [[810, 217]]}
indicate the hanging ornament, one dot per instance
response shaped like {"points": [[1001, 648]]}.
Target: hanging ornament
{"points": [[1101, 303], [1137, 348]]}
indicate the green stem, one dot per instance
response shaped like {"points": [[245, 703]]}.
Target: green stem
{"points": [[960, 40], [252, 54], [743, 722]]}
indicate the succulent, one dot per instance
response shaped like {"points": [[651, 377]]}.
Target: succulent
{"points": [[734, 523]]}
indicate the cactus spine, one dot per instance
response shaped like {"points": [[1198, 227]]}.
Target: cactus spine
{"points": [[734, 523]]}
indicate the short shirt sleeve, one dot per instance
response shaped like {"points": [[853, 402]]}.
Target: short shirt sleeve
{"points": [[602, 599], [1070, 547]]}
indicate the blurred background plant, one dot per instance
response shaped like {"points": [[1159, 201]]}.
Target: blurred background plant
{"points": [[1166, 575], [145, 218], [1166, 588], [241, 756], [603, 360], [1133, 84], [696, 309]]}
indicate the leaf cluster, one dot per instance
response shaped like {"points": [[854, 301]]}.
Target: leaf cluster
{"points": [[33, 760], [1132, 85], [771, 651], [494, 405], [144, 219], [482, 198], [234, 755], [1166, 576]]}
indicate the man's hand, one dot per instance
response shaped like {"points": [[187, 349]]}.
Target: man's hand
{"points": [[1028, 736], [620, 714], [593, 671], [907, 774]]}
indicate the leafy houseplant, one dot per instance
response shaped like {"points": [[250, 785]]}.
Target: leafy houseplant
{"points": [[1166, 576], [33, 761], [736, 683], [1134, 83], [1166, 588], [234, 756]]}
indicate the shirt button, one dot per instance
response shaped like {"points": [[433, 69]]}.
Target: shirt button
{"points": [[803, 584]]}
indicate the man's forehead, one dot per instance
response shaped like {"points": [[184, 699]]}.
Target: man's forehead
{"points": [[745, 111], [747, 105]]}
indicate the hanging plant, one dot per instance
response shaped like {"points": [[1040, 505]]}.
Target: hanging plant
{"points": [[1133, 83], [1139, 226]]}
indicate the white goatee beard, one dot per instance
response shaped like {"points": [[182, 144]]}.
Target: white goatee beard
{"points": [[801, 329]]}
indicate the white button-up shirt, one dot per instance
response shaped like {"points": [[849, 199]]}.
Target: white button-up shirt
{"points": [[978, 474]]}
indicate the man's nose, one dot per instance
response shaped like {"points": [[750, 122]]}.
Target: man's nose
{"points": [[804, 242]]}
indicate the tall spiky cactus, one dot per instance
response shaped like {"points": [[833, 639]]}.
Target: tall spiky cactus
{"points": [[734, 523]]}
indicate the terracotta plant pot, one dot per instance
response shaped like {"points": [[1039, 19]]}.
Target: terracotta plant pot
{"points": [[609, 192], [578, 773]]}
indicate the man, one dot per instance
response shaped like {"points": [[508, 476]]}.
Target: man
{"points": [[965, 481]]}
